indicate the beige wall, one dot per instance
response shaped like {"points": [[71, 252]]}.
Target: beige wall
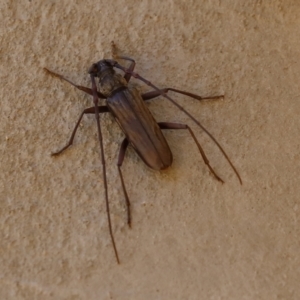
{"points": [[192, 237]]}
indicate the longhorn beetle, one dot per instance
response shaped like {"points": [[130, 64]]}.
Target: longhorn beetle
{"points": [[141, 130]]}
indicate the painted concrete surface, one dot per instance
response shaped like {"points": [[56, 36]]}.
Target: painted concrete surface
{"points": [[192, 237]]}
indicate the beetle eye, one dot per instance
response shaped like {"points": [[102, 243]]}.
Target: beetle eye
{"points": [[93, 69], [110, 62]]}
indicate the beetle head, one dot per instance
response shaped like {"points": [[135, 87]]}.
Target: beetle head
{"points": [[102, 67]]}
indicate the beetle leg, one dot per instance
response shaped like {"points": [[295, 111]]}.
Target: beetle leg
{"points": [[127, 76], [164, 125], [123, 148], [154, 94], [90, 110], [80, 87]]}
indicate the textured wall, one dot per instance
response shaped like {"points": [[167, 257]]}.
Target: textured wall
{"points": [[192, 237]]}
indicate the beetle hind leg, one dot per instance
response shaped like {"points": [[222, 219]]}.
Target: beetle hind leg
{"points": [[164, 125]]}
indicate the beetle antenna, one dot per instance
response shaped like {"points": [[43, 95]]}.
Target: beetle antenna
{"points": [[95, 98]]}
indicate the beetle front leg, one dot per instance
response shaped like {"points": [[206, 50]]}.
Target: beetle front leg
{"points": [[164, 125], [122, 152], [79, 87], [90, 110], [127, 76]]}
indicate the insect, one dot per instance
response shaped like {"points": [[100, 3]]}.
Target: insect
{"points": [[141, 130]]}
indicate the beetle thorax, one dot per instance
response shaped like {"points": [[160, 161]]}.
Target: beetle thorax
{"points": [[110, 82]]}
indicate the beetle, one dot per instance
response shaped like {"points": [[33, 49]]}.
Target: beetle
{"points": [[141, 131]]}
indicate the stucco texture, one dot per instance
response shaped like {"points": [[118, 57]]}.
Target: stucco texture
{"points": [[191, 237]]}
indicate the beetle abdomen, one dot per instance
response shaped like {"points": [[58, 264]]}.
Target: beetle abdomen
{"points": [[140, 128]]}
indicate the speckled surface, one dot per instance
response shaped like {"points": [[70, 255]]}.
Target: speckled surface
{"points": [[192, 237]]}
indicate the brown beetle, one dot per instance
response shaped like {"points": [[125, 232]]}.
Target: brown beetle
{"points": [[141, 130]]}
